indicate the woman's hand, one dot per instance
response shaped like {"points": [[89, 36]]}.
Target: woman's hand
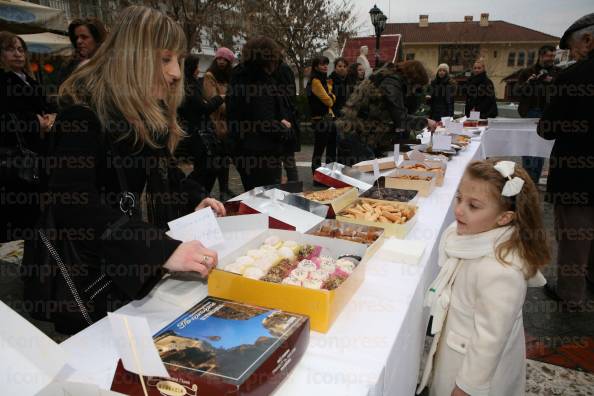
{"points": [[459, 392], [192, 256], [216, 206], [286, 124], [431, 125]]}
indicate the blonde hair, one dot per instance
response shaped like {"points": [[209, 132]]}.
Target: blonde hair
{"points": [[7, 40], [529, 238], [121, 77]]}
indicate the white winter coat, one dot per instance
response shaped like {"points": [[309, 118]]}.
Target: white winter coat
{"points": [[476, 303]]}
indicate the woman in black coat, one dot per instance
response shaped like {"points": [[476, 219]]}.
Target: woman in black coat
{"points": [[441, 94], [116, 134], [258, 114], [202, 146], [480, 93], [22, 122]]}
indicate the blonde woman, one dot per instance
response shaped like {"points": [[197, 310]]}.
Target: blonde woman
{"points": [[480, 92], [116, 132]]}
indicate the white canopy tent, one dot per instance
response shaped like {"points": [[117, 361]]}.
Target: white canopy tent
{"points": [[21, 17], [47, 43]]}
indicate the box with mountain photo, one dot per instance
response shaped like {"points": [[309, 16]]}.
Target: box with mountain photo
{"points": [[220, 347]]}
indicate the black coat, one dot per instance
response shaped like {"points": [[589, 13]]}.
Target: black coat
{"points": [[480, 96], [20, 103], [126, 265], [339, 88], [255, 109], [285, 79], [569, 119], [442, 92]]}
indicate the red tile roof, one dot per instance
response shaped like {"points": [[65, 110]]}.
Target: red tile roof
{"points": [[467, 32], [388, 48]]}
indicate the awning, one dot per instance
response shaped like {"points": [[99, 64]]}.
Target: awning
{"points": [[46, 43], [20, 17]]}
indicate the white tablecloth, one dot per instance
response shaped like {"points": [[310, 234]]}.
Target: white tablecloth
{"points": [[374, 347], [515, 138]]}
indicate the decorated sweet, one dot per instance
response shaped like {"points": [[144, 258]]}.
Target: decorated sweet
{"points": [[235, 268], [319, 275], [292, 281], [299, 273], [253, 272], [307, 265], [345, 265], [244, 261], [312, 283], [333, 282]]}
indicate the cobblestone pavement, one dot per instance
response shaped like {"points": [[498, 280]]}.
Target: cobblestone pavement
{"points": [[554, 334]]}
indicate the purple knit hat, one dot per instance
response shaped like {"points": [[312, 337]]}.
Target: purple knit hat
{"points": [[225, 53]]}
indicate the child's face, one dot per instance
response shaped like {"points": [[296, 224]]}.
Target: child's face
{"points": [[477, 209]]}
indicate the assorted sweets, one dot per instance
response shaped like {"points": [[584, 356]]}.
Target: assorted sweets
{"points": [[348, 232], [412, 177], [390, 194], [378, 211], [291, 263], [326, 195]]}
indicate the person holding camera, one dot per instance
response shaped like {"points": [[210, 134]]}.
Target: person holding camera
{"points": [[534, 84]]}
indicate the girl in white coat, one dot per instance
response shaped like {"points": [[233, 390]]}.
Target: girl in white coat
{"points": [[488, 257]]}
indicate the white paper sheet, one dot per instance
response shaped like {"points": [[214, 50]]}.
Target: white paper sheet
{"points": [[75, 389], [29, 360], [475, 115], [134, 342], [442, 142], [200, 226]]}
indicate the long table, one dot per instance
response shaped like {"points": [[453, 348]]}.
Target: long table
{"points": [[373, 348]]}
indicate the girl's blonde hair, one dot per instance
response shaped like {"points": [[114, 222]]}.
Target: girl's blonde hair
{"points": [[122, 76], [529, 238], [7, 40]]}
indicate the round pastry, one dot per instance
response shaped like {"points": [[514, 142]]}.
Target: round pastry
{"points": [[272, 240], [313, 284], [290, 244], [307, 265], [286, 253], [267, 248], [256, 253], [291, 281], [253, 272], [299, 273]]}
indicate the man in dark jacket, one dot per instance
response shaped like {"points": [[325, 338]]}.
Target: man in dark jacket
{"points": [[569, 119], [533, 84], [288, 89]]}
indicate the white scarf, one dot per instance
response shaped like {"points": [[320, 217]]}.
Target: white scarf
{"points": [[454, 248]]}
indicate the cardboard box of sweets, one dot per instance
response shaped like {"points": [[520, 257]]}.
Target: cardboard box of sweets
{"points": [[406, 179], [437, 167], [335, 199], [306, 274], [222, 347], [396, 218]]}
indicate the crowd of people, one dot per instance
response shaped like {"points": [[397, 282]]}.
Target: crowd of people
{"points": [[100, 179]]}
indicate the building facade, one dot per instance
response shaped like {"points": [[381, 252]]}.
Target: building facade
{"points": [[505, 47]]}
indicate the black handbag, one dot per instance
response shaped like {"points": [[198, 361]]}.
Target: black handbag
{"points": [[18, 163], [54, 270]]}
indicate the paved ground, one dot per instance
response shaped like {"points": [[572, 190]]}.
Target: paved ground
{"points": [[555, 337]]}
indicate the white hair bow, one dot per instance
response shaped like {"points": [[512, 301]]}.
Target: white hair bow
{"points": [[513, 185]]}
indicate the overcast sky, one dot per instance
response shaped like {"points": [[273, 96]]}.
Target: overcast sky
{"points": [[548, 16]]}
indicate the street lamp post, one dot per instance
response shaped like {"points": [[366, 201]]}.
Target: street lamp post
{"points": [[378, 19]]}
